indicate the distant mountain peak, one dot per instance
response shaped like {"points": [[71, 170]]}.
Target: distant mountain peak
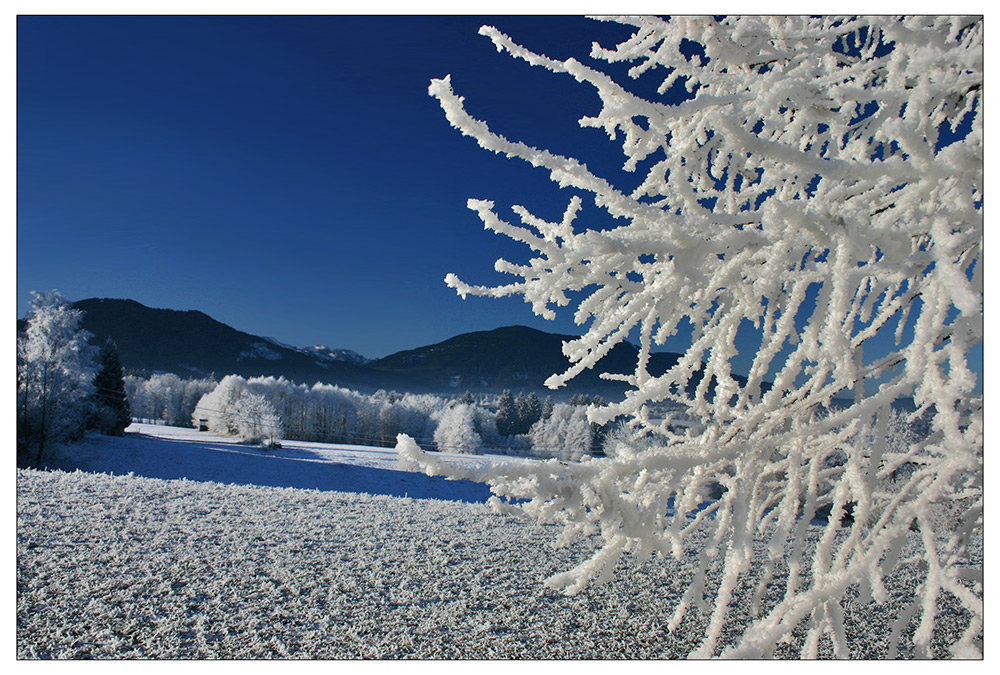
{"points": [[190, 343], [345, 355]]}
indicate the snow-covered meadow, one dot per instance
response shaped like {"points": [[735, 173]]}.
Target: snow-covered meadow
{"points": [[157, 451], [216, 549]]}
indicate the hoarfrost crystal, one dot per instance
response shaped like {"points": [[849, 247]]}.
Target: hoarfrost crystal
{"points": [[820, 189]]}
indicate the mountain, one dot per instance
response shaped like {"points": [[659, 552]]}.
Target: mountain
{"points": [[514, 357], [192, 344], [324, 352]]}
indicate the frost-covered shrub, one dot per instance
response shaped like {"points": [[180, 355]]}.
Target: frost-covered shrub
{"points": [[621, 438], [812, 203], [456, 430]]}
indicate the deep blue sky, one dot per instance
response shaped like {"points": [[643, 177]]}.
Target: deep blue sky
{"points": [[289, 176]]}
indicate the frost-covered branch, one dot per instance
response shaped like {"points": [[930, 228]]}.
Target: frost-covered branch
{"points": [[815, 202]]}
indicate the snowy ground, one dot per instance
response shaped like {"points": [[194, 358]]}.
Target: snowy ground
{"points": [[156, 451], [213, 549]]}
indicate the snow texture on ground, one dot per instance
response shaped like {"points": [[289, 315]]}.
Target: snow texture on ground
{"points": [[145, 567]]}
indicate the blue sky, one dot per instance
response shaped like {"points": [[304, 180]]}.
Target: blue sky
{"points": [[289, 176]]}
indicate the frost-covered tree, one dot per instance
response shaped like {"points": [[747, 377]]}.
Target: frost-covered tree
{"points": [[218, 406], [808, 197], [111, 412], [233, 408], [456, 431], [255, 419], [322, 412], [566, 433], [55, 370], [166, 397]]}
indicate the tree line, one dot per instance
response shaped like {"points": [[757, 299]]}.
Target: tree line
{"points": [[67, 386], [267, 409]]}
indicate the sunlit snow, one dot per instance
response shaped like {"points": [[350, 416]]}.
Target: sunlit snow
{"points": [[157, 451], [217, 565]]}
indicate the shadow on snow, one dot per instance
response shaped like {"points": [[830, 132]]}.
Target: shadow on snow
{"points": [[207, 461]]}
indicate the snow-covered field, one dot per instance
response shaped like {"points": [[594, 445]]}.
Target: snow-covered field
{"points": [[156, 451], [213, 549]]}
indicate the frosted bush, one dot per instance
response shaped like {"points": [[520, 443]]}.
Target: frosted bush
{"points": [[456, 430], [815, 203]]}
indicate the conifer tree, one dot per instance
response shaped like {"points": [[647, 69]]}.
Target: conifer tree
{"points": [[507, 421], [529, 412], [112, 412], [521, 406], [547, 407]]}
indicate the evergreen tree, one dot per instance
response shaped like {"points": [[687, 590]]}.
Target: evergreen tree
{"points": [[111, 410], [507, 421], [547, 407], [521, 408], [529, 411]]}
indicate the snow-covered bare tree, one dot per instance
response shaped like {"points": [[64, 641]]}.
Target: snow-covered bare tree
{"points": [[256, 419], [813, 205], [55, 369]]}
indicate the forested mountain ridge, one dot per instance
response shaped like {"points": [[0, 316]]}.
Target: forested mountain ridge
{"points": [[509, 357], [192, 344]]}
